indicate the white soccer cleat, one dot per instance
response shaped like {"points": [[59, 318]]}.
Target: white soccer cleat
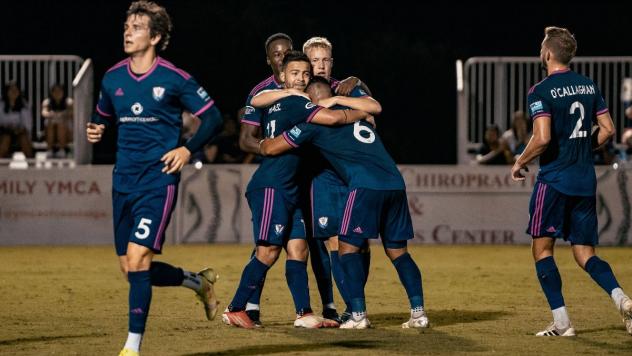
{"points": [[552, 330], [363, 323], [206, 294], [419, 322], [308, 321], [626, 312]]}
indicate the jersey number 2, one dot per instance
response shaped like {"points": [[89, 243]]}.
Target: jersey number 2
{"points": [[577, 131]]}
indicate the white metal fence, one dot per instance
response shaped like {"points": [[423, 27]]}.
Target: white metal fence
{"points": [[490, 89], [35, 74]]}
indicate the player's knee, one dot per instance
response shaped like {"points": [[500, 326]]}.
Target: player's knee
{"points": [[297, 250], [268, 254], [332, 243], [394, 253]]}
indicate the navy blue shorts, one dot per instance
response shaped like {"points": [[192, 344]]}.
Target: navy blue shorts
{"points": [[274, 219], [557, 215], [142, 217], [328, 195], [371, 213]]}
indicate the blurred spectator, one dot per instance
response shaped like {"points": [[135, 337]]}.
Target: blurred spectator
{"points": [[224, 148], [15, 121], [493, 151], [517, 137], [57, 114]]}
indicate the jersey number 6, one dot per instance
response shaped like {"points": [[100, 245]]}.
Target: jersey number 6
{"points": [[359, 129]]}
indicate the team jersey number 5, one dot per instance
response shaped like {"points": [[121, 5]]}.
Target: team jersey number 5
{"points": [[143, 229], [577, 131]]}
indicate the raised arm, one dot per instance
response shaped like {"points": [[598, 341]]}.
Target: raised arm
{"points": [[537, 145], [338, 117], [266, 98], [365, 103], [346, 86]]}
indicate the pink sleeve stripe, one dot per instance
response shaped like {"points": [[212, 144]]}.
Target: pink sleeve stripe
{"points": [[203, 109], [261, 85], [103, 113], [603, 111], [287, 139], [311, 116], [542, 114], [248, 122], [168, 65], [119, 64]]}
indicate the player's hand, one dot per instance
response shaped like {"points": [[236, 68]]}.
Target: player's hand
{"points": [[328, 102], [346, 86], [175, 159], [516, 173], [94, 132], [371, 120], [293, 91]]}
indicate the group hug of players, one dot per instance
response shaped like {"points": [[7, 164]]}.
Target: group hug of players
{"points": [[325, 185]]}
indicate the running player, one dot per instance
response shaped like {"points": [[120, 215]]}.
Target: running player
{"points": [[143, 97], [273, 197], [564, 106], [376, 205]]}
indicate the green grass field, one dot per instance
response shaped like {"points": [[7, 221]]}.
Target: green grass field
{"points": [[480, 300]]}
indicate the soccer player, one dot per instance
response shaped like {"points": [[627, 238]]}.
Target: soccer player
{"points": [[143, 97], [564, 107], [273, 198], [328, 191], [376, 205]]}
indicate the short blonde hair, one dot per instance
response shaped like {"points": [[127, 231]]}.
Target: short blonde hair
{"points": [[317, 42]]}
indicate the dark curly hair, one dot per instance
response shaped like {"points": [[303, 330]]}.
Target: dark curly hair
{"points": [[159, 20]]}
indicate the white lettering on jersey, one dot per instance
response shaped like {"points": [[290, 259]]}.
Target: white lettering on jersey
{"points": [[274, 108], [572, 90]]}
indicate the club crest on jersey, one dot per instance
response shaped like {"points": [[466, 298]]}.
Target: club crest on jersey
{"points": [[278, 229], [323, 221], [158, 93], [137, 109]]}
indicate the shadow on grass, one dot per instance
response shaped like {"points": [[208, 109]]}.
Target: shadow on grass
{"points": [[25, 340], [440, 317]]}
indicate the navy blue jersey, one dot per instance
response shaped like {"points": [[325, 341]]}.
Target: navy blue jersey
{"points": [[573, 102], [147, 111], [254, 116], [280, 171], [355, 151]]}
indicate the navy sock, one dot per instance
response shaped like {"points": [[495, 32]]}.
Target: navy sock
{"points": [[165, 275], [601, 273], [551, 281], [321, 265], [139, 300], [366, 264], [338, 273], [410, 276], [255, 298], [254, 272], [296, 275], [354, 280]]}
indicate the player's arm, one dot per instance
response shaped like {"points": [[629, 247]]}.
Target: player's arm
{"points": [[249, 137], [365, 103], [346, 86], [605, 131], [329, 117], [266, 98], [274, 146], [175, 159], [537, 145]]}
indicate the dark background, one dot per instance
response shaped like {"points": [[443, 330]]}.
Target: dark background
{"points": [[405, 52]]}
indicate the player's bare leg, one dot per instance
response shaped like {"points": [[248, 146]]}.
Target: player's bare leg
{"points": [[542, 249], [410, 277], [600, 271]]}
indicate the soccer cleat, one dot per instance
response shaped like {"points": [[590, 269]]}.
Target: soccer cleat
{"points": [[345, 316], [129, 352], [363, 323], [331, 318], [419, 322], [239, 319], [308, 321], [206, 293], [626, 312], [552, 330], [255, 316]]}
